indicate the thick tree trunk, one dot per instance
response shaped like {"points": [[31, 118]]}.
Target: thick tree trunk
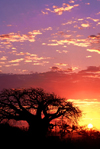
{"points": [[38, 128]]}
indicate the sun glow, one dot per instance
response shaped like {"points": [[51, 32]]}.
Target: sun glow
{"points": [[90, 125]]}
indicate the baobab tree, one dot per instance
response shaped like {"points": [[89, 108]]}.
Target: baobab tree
{"points": [[36, 107]]}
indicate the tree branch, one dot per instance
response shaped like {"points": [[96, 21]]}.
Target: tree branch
{"points": [[59, 113], [11, 106]]}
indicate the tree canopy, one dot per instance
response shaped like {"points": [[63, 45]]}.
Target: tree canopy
{"points": [[35, 106]]}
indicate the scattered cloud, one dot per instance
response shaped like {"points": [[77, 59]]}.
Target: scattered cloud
{"points": [[28, 61], [60, 69], [37, 64], [44, 12], [9, 25], [54, 36], [61, 64], [66, 35], [26, 58], [3, 58], [93, 36], [16, 37], [88, 56], [95, 20], [27, 53], [85, 25], [55, 68], [13, 48], [7, 65], [69, 22], [58, 51], [35, 32], [42, 63], [47, 29], [2, 51], [63, 51], [98, 23], [44, 44], [15, 64], [16, 60], [81, 19], [95, 43], [2, 62], [71, 1], [98, 13], [60, 10], [94, 50], [24, 70], [94, 69], [87, 3], [36, 60], [79, 35], [84, 22], [53, 44], [61, 34], [76, 42]]}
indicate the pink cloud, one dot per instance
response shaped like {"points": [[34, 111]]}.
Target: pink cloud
{"points": [[28, 61], [85, 25], [60, 10], [61, 64], [98, 13], [93, 69], [76, 42], [64, 51], [37, 64], [88, 56], [95, 20], [15, 64], [16, 37], [2, 62], [93, 36], [47, 29], [9, 25], [44, 12], [60, 69], [94, 50], [71, 1], [16, 60], [3, 58], [24, 70], [7, 65], [87, 3], [54, 68]]}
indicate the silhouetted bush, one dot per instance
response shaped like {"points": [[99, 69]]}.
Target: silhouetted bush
{"points": [[14, 137]]}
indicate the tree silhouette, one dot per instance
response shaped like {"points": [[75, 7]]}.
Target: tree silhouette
{"points": [[88, 133], [36, 107]]}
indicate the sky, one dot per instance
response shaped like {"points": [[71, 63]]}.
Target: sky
{"points": [[58, 37]]}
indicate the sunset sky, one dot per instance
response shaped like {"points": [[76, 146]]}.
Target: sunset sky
{"points": [[55, 36]]}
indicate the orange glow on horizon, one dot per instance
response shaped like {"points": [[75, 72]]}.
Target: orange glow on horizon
{"points": [[90, 112]]}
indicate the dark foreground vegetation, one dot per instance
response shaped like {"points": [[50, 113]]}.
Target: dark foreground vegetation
{"points": [[40, 109], [14, 137]]}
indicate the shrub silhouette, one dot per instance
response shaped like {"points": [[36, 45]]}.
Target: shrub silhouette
{"points": [[36, 107]]}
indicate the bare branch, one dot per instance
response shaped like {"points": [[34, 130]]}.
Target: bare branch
{"points": [[35, 106]]}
